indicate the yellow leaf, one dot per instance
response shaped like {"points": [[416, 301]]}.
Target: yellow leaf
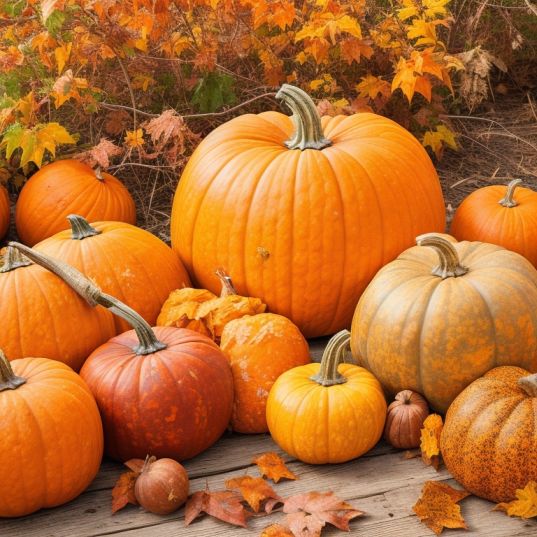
{"points": [[62, 54], [425, 31], [405, 78], [435, 7], [27, 106], [349, 25], [436, 140], [316, 84], [341, 103], [430, 437], [301, 57], [525, 506], [135, 138], [372, 86]]}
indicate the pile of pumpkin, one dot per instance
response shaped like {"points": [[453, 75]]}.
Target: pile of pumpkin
{"points": [[308, 215]]}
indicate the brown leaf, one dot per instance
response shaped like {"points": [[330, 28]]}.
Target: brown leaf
{"points": [[223, 504], [100, 154], [430, 440], [123, 491], [272, 466], [276, 530], [117, 121], [253, 489], [437, 507], [135, 465], [411, 454], [525, 506], [167, 127]]}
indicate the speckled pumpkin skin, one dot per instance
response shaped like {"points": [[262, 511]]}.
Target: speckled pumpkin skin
{"points": [[173, 403], [415, 331], [489, 442], [319, 424], [259, 348]]}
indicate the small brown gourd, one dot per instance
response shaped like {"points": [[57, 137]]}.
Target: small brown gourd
{"points": [[405, 420]]}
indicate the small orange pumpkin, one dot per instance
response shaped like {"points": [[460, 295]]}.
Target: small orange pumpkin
{"points": [[4, 211], [405, 420]]}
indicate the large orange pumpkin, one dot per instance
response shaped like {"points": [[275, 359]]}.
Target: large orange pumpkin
{"points": [[501, 215], [488, 442], [51, 435], [435, 327], [125, 261], [4, 211], [41, 316], [69, 187], [303, 211]]}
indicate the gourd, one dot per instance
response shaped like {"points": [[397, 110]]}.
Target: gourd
{"points": [[303, 210], [329, 412], [4, 211], [442, 314], [405, 420], [67, 187], [51, 435]]}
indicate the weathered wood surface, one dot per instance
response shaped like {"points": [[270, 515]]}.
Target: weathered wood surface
{"points": [[381, 483]]}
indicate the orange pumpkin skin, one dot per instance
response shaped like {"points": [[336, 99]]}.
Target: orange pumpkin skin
{"points": [[51, 438], [4, 212], [69, 187], [481, 217], [488, 442], [259, 348], [173, 403], [125, 261], [319, 222]]}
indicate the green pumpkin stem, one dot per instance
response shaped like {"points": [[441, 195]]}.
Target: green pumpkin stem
{"points": [[507, 200], [333, 355], [81, 228], [8, 379], [529, 384], [450, 265], [308, 129], [94, 296], [14, 260]]}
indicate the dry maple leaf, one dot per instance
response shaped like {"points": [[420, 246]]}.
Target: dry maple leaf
{"points": [[100, 154], [222, 504], [123, 491], [136, 465], [437, 506], [272, 466], [253, 489], [430, 440], [525, 506], [276, 530]]}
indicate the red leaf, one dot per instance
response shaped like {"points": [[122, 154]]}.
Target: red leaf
{"points": [[123, 491], [223, 504]]}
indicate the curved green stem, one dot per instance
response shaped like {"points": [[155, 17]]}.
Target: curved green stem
{"points": [[308, 129], [14, 260], [333, 355], [450, 265], [507, 200], [94, 296], [8, 379], [81, 228], [529, 384]]}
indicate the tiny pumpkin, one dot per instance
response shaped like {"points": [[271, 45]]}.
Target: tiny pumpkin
{"points": [[488, 442], [4, 211], [405, 418], [329, 412]]}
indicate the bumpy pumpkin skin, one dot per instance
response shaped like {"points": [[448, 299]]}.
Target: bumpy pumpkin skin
{"points": [[488, 442], [172, 403], [51, 437], [126, 262], [4, 212], [69, 187], [481, 217], [416, 331], [318, 222], [259, 348]]}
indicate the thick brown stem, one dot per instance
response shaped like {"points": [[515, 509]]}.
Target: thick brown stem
{"points": [[14, 260], [8, 379], [529, 384], [308, 129], [227, 285], [450, 266], [333, 355], [507, 200], [81, 228], [94, 296]]}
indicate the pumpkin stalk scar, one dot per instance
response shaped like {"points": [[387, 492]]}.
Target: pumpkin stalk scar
{"points": [[81, 228], [507, 200], [529, 384], [333, 355], [8, 379], [450, 265]]}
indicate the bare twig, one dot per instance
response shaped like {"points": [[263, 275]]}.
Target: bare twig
{"points": [[530, 101], [133, 100], [531, 7]]}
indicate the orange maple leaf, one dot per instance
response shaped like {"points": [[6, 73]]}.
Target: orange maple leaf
{"points": [[276, 530], [430, 440], [272, 466], [253, 489], [525, 505], [222, 504], [123, 491]]}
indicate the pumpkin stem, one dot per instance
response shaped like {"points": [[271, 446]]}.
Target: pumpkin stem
{"points": [[507, 200], [8, 379], [94, 296], [529, 384], [333, 355], [308, 129], [98, 173], [227, 285], [81, 228], [450, 265], [14, 260]]}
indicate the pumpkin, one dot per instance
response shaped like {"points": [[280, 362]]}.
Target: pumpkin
{"points": [[165, 391], [405, 420], [42, 316], [499, 215], [4, 211], [125, 261], [329, 412], [51, 435], [488, 442], [69, 187], [303, 210], [259, 348], [442, 314]]}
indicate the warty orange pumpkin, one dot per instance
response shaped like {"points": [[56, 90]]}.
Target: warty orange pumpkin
{"points": [[4, 211], [303, 210], [444, 313], [51, 435], [69, 187]]}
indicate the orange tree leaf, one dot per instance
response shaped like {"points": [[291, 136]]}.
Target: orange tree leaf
{"points": [[123, 491], [405, 78], [223, 504], [272, 466], [437, 506], [135, 465], [276, 530], [253, 489], [525, 506], [371, 86], [430, 439]]}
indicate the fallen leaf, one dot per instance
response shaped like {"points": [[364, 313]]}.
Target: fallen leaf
{"points": [[134, 138], [525, 506], [411, 454], [276, 530], [437, 506], [136, 465], [123, 491], [253, 489], [223, 504], [430, 440], [272, 466]]}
